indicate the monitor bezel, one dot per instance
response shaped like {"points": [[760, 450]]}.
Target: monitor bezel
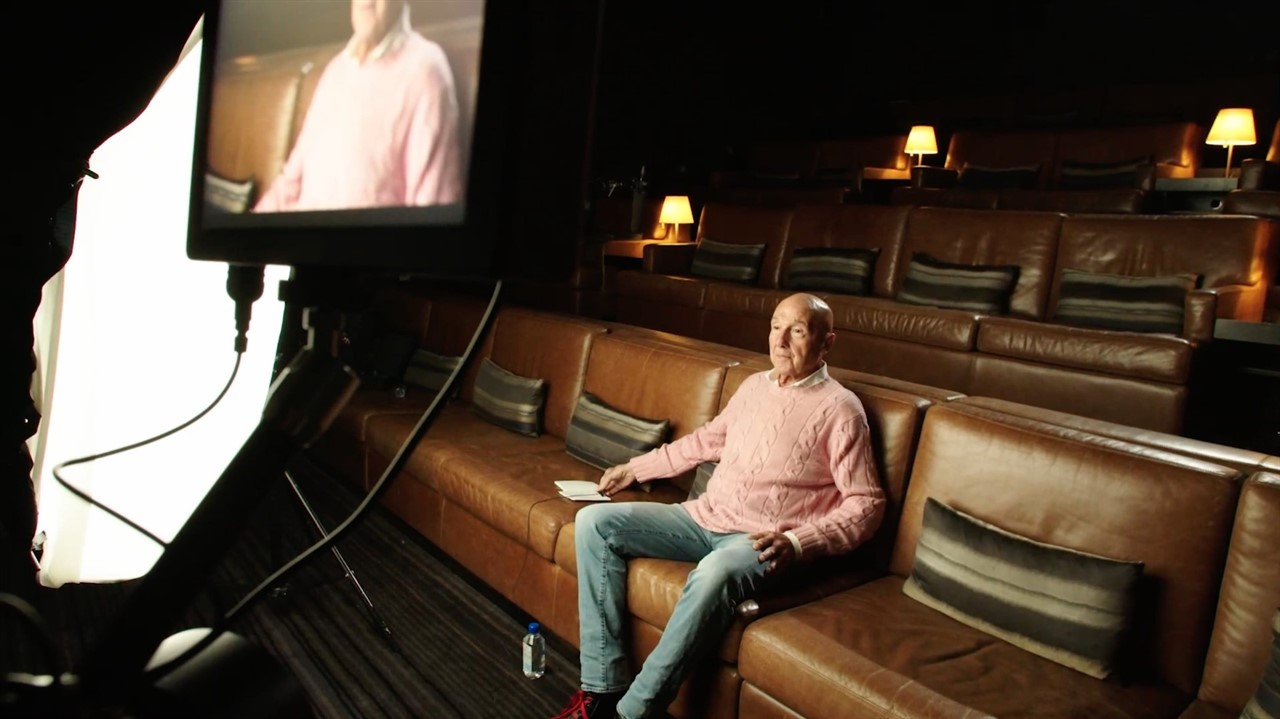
{"points": [[466, 249]]}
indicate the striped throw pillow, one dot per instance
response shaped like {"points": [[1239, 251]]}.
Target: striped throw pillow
{"points": [[977, 288], [1265, 703], [603, 437], [1100, 175], [700, 478], [226, 196], [430, 370], [1122, 302], [844, 270], [726, 261], [1067, 606], [509, 400], [1017, 177]]}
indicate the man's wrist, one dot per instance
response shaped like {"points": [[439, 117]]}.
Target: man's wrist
{"points": [[795, 542]]}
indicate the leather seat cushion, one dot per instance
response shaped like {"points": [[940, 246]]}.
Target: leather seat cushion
{"points": [[684, 291], [873, 644]]}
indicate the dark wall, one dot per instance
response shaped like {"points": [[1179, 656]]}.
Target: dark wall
{"points": [[685, 86]]}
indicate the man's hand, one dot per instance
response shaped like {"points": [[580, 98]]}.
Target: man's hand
{"points": [[617, 478], [775, 548]]}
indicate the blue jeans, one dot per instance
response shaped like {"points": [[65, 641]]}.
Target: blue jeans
{"points": [[607, 535]]}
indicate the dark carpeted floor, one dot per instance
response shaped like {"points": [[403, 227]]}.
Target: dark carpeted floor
{"points": [[454, 649]]}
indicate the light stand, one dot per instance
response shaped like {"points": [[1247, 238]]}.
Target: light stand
{"points": [[347, 572], [304, 294], [302, 403]]}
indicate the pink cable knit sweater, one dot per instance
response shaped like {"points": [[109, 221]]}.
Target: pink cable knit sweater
{"points": [[791, 458]]}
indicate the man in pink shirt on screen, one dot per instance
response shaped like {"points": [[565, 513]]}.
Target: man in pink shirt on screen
{"points": [[382, 126], [796, 480]]}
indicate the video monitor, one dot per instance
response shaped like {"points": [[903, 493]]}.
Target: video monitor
{"points": [[366, 134]]}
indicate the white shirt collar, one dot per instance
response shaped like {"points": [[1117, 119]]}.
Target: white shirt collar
{"points": [[817, 376], [392, 40]]}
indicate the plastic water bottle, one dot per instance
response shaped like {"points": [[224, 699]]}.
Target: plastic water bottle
{"points": [[535, 652]]}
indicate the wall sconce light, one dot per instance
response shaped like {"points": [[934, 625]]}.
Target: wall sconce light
{"points": [[676, 212], [920, 142], [1233, 126]]}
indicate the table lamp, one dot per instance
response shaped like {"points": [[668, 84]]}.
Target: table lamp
{"points": [[1233, 126], [920, 142], [676, 212]]}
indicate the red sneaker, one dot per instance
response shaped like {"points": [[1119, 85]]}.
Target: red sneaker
{"points": [[589, 705]]}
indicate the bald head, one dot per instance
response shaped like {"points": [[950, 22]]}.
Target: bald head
{"points": [[800, 334]]}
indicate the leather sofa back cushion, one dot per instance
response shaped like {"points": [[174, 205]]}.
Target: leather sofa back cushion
{"points": [[1174, 147], [1003, 149], [1223, 250], [1069, 607], [1027, 240], [745, 225], [553, 348], [1075, 490], [253, 110], [1240, 649]]}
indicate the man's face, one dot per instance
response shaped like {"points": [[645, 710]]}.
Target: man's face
{"points": [[797, 343], [371, 19]]}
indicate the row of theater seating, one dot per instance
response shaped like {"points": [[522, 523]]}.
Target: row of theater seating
{"points": [[1073, 170], [839, 638], [1141, 379]]}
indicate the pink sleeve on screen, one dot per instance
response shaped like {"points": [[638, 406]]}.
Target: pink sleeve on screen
{"points": [[432, 156]]}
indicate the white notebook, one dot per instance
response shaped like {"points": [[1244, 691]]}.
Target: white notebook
{"points": [[580, 490]]}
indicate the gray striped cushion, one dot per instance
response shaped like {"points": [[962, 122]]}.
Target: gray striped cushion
{"points": [[1100, 175], [726, 261], [1018, 177], [509, 400], [700, 478], [603, 437], [1067, 606], [429, 370], [223, 195], [976, 288], [845, 270], [1265, 703], [1122, 302]]}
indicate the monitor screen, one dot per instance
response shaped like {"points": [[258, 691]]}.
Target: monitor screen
{"points": [[357, 133]]}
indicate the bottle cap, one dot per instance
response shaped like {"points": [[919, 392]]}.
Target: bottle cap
{"points": [[534, 627]]}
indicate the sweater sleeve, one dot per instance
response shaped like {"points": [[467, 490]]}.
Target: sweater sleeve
{"points": [[861, 507], [702, 445]]}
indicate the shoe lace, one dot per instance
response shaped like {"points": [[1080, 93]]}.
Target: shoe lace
{"points": [[577, 707]]}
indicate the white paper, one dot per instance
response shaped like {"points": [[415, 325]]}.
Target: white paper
{"points": [[580, 490]]}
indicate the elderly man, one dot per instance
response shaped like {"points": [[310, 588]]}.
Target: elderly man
{"points": [[382, 126], [796, 480]]}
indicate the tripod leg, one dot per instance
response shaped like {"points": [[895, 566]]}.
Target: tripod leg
{"points": [[374, 616]]}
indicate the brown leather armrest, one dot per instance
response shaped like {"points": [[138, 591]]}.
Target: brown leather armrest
{"points": [[1259, 175], [1145, 177], [1199, 312], [586, 278], [669, 259], [923, 176], [1233, 302]]}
